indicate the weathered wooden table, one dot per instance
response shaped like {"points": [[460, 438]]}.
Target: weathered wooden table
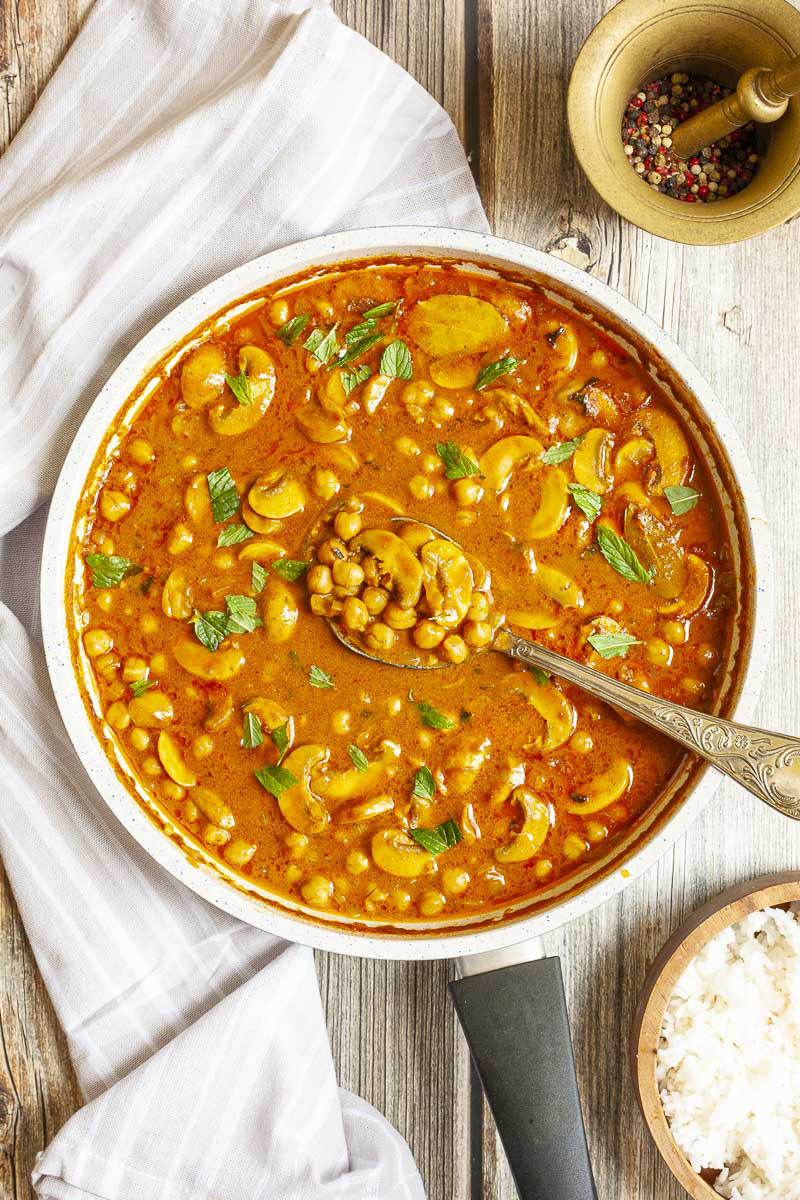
{"points": [[500, 68]]}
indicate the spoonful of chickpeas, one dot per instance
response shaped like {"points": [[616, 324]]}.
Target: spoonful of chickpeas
{"points": [[408, 595]]}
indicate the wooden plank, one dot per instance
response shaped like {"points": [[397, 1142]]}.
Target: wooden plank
{"points": [[730, 308]]}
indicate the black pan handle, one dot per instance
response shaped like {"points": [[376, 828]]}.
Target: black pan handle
{"points": [[515, 1021]]}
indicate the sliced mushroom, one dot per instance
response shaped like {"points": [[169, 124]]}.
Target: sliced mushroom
{"points": [[591, 461], [271, 714], [632, 454], [203, 376], [365, 810], [553, 505], [671, 447], [172, 761], [633, 493], [320, 426], [197, 500], [276, 495], [559, 587], [398, 854], [447, 580], [258, 524], [415, 535], [527, 618], [396, 560], [445, 325], [538, 817], [699, 582], [219, 664], [279, 611], [551, 704], [605, 789], [176, 595], [656, 548], [262, 550], [458, 371], [499, 461], [465, 761], [151, 710], [230, 418], [213, 808], [564, 347], [353, 784], [303, 808]]}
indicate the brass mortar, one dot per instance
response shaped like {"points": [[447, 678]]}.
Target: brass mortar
{"points": [[642, 40]]}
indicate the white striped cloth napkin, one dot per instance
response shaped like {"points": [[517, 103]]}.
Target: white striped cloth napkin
{"points": [[178, 139]]}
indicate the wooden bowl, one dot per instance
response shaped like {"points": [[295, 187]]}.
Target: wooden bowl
{"points": [[642, 40], [767, 891]]}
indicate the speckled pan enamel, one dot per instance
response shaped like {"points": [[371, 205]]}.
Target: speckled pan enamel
{"points": [[652, 836]]}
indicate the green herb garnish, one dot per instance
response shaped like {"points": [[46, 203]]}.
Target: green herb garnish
{"points": [[351, 379], [223, 493], [319, 678], [464, 716], [356, 350], [280, 740], [541, 677], [290, 332], [231, 535], [621, 556], [359, 331], [258, 577], [431, 716], [322, 345], [494, 370], [140, 686], [380, 310], [681, 499], [359, 759], [289, 568], [561, 452], [275, 779], [587, 501], [109, 570], [424, 784], [437, 840], [242, 614], [240, 386], [396, 360], [457, 465], [210, 627], [253, 734], [612, 645]]}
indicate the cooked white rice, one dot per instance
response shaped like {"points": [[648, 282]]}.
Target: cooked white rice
{"points": [[728, 1064]]}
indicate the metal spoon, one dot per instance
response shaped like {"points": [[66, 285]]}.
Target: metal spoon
{"points": [[766, 764]]}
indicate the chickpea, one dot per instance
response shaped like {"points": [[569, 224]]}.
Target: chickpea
{"points": [[158, 664], [380, 637], [151, 765], [479, 607], [115, 690], [331, 551], [140, 739], [189, 462], [317, 890], [430, 903], [324, 483], [224, 561], [140, 452], [659, 653], [347, 525], [297, 843], [581, 742], [104, 600], [375, 600], [466, 492], [428, 635], [239, 852], [190, 811], [106, 665], [148, 624], [455, 880], [180, 538], [401, 899], [543, 867], [173, 791], [596, 831], [319, 580], [706, 654], [454, 648], [374, 899], [425, 738], [394, 706], [466, 516], [406, 445], [293, 873], [442, 409], [571, 424], [348, 575], [357, 862], [615, 607], [477, 633], [674, 632], [617, 812], [321, 606], [340, 721], [420, 487], [134, 668], [202, 745], [118, 716], [355, 615], [432, 464], [97, 642], [397, 617], [372, 571], [574, 846], [212, 835], [694, 688], [114, 505], [279, 312]]}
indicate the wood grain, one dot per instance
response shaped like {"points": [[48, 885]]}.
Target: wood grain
{"points": [[500, 68]]}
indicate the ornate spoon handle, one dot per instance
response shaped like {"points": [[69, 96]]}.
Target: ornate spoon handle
{"points": [[767, 764]]}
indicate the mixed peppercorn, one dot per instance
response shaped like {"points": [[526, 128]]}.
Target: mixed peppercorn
{"points": [[650, 119]]}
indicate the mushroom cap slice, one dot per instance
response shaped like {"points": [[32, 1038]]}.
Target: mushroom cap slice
{"points": [[447, 580], [656, 548], [397, 561], [398, 854], [303, 808], [207, 664], [499, 461], [203, 376], [590, 461], [276, 495], [605, 789], [230, 418], [671, 447], [558, 586], [551, 704], [538, 817], [553, 505], [445, 325], [353, 784], [700, 578]]}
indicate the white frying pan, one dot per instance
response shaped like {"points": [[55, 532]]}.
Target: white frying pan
{"points": [[510, 998]]}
